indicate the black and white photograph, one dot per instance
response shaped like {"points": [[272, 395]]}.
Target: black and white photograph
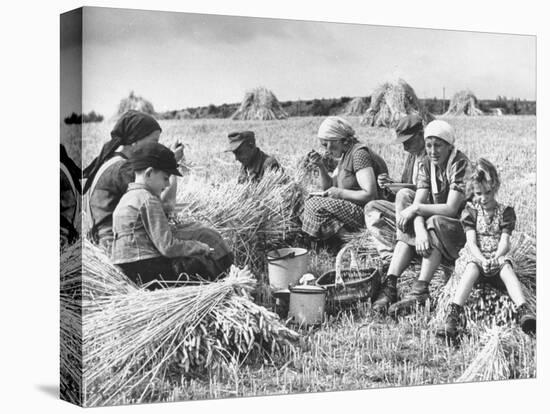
{"points": [[255, 206], [276, 207]]}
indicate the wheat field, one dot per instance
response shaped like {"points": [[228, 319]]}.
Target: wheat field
{"points": [[508, 141], [352, 350]]}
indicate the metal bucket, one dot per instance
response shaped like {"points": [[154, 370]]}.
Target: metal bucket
{"points": [[286, 266], [307, 304]]}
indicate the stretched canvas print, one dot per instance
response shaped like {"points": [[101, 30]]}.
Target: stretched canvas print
{"points": [[259, 206]]}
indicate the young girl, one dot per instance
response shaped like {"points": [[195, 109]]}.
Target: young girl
{"points": [[488, 226]]}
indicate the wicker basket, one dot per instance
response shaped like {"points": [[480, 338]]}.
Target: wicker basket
{"points": [[346, 287]]}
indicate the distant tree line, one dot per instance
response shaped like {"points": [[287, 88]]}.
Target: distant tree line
{"points": [[335, 106], [83, 118], [325, 107], [507, 106]]}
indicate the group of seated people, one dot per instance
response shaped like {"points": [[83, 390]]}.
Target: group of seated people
{"points": [[440, 203], [131, 190], [444, 206]]}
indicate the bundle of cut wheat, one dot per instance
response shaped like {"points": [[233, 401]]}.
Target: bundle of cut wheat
{"points": [[260, 104], [505, 355], [357, 106], [70, 360], [70, 347], [486, 302], [85, 273], [464, 103], [253, 218], [136, 103], [392, 101], [135, 343], [183, 114], [70, 270], [99, 276]]}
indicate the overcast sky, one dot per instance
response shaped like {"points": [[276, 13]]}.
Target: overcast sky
{"points": [[178, 60]]}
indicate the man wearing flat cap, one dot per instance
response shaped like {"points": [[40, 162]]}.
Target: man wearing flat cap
{"points": [[254, 162], [380, 214]]}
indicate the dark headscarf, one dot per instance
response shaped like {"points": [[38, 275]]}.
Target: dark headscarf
{"points": [[74, 170], [131, 127]]}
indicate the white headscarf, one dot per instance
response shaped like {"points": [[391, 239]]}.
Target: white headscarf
{"points": [[440, 129], [335, 128]]}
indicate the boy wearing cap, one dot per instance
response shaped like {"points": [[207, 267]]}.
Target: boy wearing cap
{"points": [[254, 162], [427, 220], [380, 214], [144, 245]]}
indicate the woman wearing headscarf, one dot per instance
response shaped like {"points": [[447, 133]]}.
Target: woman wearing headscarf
{"points": [[427, 220], [339, 207], [108, 177]]}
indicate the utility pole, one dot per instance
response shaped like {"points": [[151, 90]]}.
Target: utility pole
{"points": [[444, 99]]}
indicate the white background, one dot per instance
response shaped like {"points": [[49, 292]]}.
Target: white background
{"points": [[29, 217]]}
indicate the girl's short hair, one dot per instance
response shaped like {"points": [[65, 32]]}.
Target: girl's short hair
{"points": [[483, 172]]}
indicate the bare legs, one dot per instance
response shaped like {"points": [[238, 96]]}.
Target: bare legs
{"points": [[402, 256], [430, 265], [513, 286], [466, 283], [471, 275]]}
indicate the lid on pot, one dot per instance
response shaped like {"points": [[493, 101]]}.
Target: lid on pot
{"points": [[311, 289]]}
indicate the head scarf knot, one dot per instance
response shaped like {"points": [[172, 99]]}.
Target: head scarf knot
{"points": [[335, 128], [131, 127]]}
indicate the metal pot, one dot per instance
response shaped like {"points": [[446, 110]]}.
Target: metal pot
{"points": [[286, 266], [307, 304]]}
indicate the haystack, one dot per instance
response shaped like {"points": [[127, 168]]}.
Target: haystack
{"points": [[123, 343], [183, 114], [260, 104], [254, 218], [464, 103], [392, 101], [136, 103], [139, 345], [357, 106], [506, 354]]}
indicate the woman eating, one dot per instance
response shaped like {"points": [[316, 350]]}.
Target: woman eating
{"points": [[338, 209]]}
